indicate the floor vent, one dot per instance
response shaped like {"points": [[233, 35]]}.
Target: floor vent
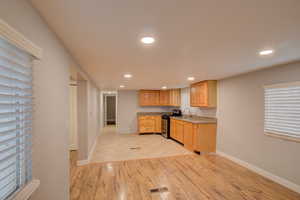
{"points": [[135, 148], [159, 190]]}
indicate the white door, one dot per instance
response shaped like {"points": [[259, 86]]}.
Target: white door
{"points": [[73, 117]]}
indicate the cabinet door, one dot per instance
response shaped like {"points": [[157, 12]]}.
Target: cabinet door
{"points": [[205, 138], [173, 129], [193, 95], [199, 94], [175, 97], [178, 97], [179, 128], [149, 97], [145, 98], [164, 97], [202, 94], [154, 98], [147, 124], [188, 136], [171, 97], [157, 124]]}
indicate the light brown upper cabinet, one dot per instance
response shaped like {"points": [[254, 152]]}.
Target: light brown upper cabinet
{"points": [[149, 97], [175, 97], [204, 94], [170, 97], [164, 97]]}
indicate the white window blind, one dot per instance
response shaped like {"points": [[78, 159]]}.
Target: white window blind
{"points": [[15, 118], [282, 109]]}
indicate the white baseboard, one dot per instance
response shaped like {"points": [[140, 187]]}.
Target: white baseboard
{"points": [[262, 172], [85, 162]]}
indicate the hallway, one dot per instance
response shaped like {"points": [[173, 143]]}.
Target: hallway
{"points": [[112, 146]]}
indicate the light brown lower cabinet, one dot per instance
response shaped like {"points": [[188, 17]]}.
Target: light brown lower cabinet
{"points": [[177, 130], [205, 138], [149, 124], [194, 137], [188, 132]]}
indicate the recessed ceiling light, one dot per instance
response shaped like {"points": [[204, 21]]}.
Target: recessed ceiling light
{"points": [[164, 87], [266, 52], [148, 40], [127, 75], [122, 86], [191, 78]]}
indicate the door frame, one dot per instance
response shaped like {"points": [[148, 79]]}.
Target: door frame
{"points": [[103, 96]]}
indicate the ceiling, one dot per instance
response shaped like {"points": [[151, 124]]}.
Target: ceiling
{"points": [[207, 39]]}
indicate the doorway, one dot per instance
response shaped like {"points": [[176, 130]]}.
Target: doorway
{"points": [[110, 109], [73, 115]]}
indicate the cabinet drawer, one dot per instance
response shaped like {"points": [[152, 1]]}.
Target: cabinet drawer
{"points": [[146, 130]]}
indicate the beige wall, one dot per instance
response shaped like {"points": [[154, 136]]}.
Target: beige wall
{"points": [[241, 122], [82, 121], [51, 91], [88, 118], [73, 141], [93, 115]]}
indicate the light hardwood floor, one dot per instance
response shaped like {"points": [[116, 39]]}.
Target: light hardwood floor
{"points": [[186, 177]]}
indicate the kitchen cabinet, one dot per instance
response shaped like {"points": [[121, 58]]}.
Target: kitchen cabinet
{"points": [[205, 138], [149, 124], [170, 97], [175, 97], [188, 131], [203, 94], [164, 97], [177, 128], [149, 97], [194, 137]]}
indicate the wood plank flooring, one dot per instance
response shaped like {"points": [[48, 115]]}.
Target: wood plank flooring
{"points": [[187, 177]]}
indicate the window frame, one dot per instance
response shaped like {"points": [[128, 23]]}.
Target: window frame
{"points": [[18, 40], [276, 134]]}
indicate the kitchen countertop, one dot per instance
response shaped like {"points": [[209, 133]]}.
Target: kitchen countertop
{"points": [[151, 113], [197, 119]]}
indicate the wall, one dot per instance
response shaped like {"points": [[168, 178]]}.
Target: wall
{"points": [[241, 122], [88, 121], [93, 115], [51, 91], [82, 120], [73, 116], [127, 101], [185, 106]]}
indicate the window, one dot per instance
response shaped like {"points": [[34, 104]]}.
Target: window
{"points": [[282, 110], [15, 118]]}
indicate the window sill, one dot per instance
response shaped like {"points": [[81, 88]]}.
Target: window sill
{"points": [[283, 137], [27, 191]]}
